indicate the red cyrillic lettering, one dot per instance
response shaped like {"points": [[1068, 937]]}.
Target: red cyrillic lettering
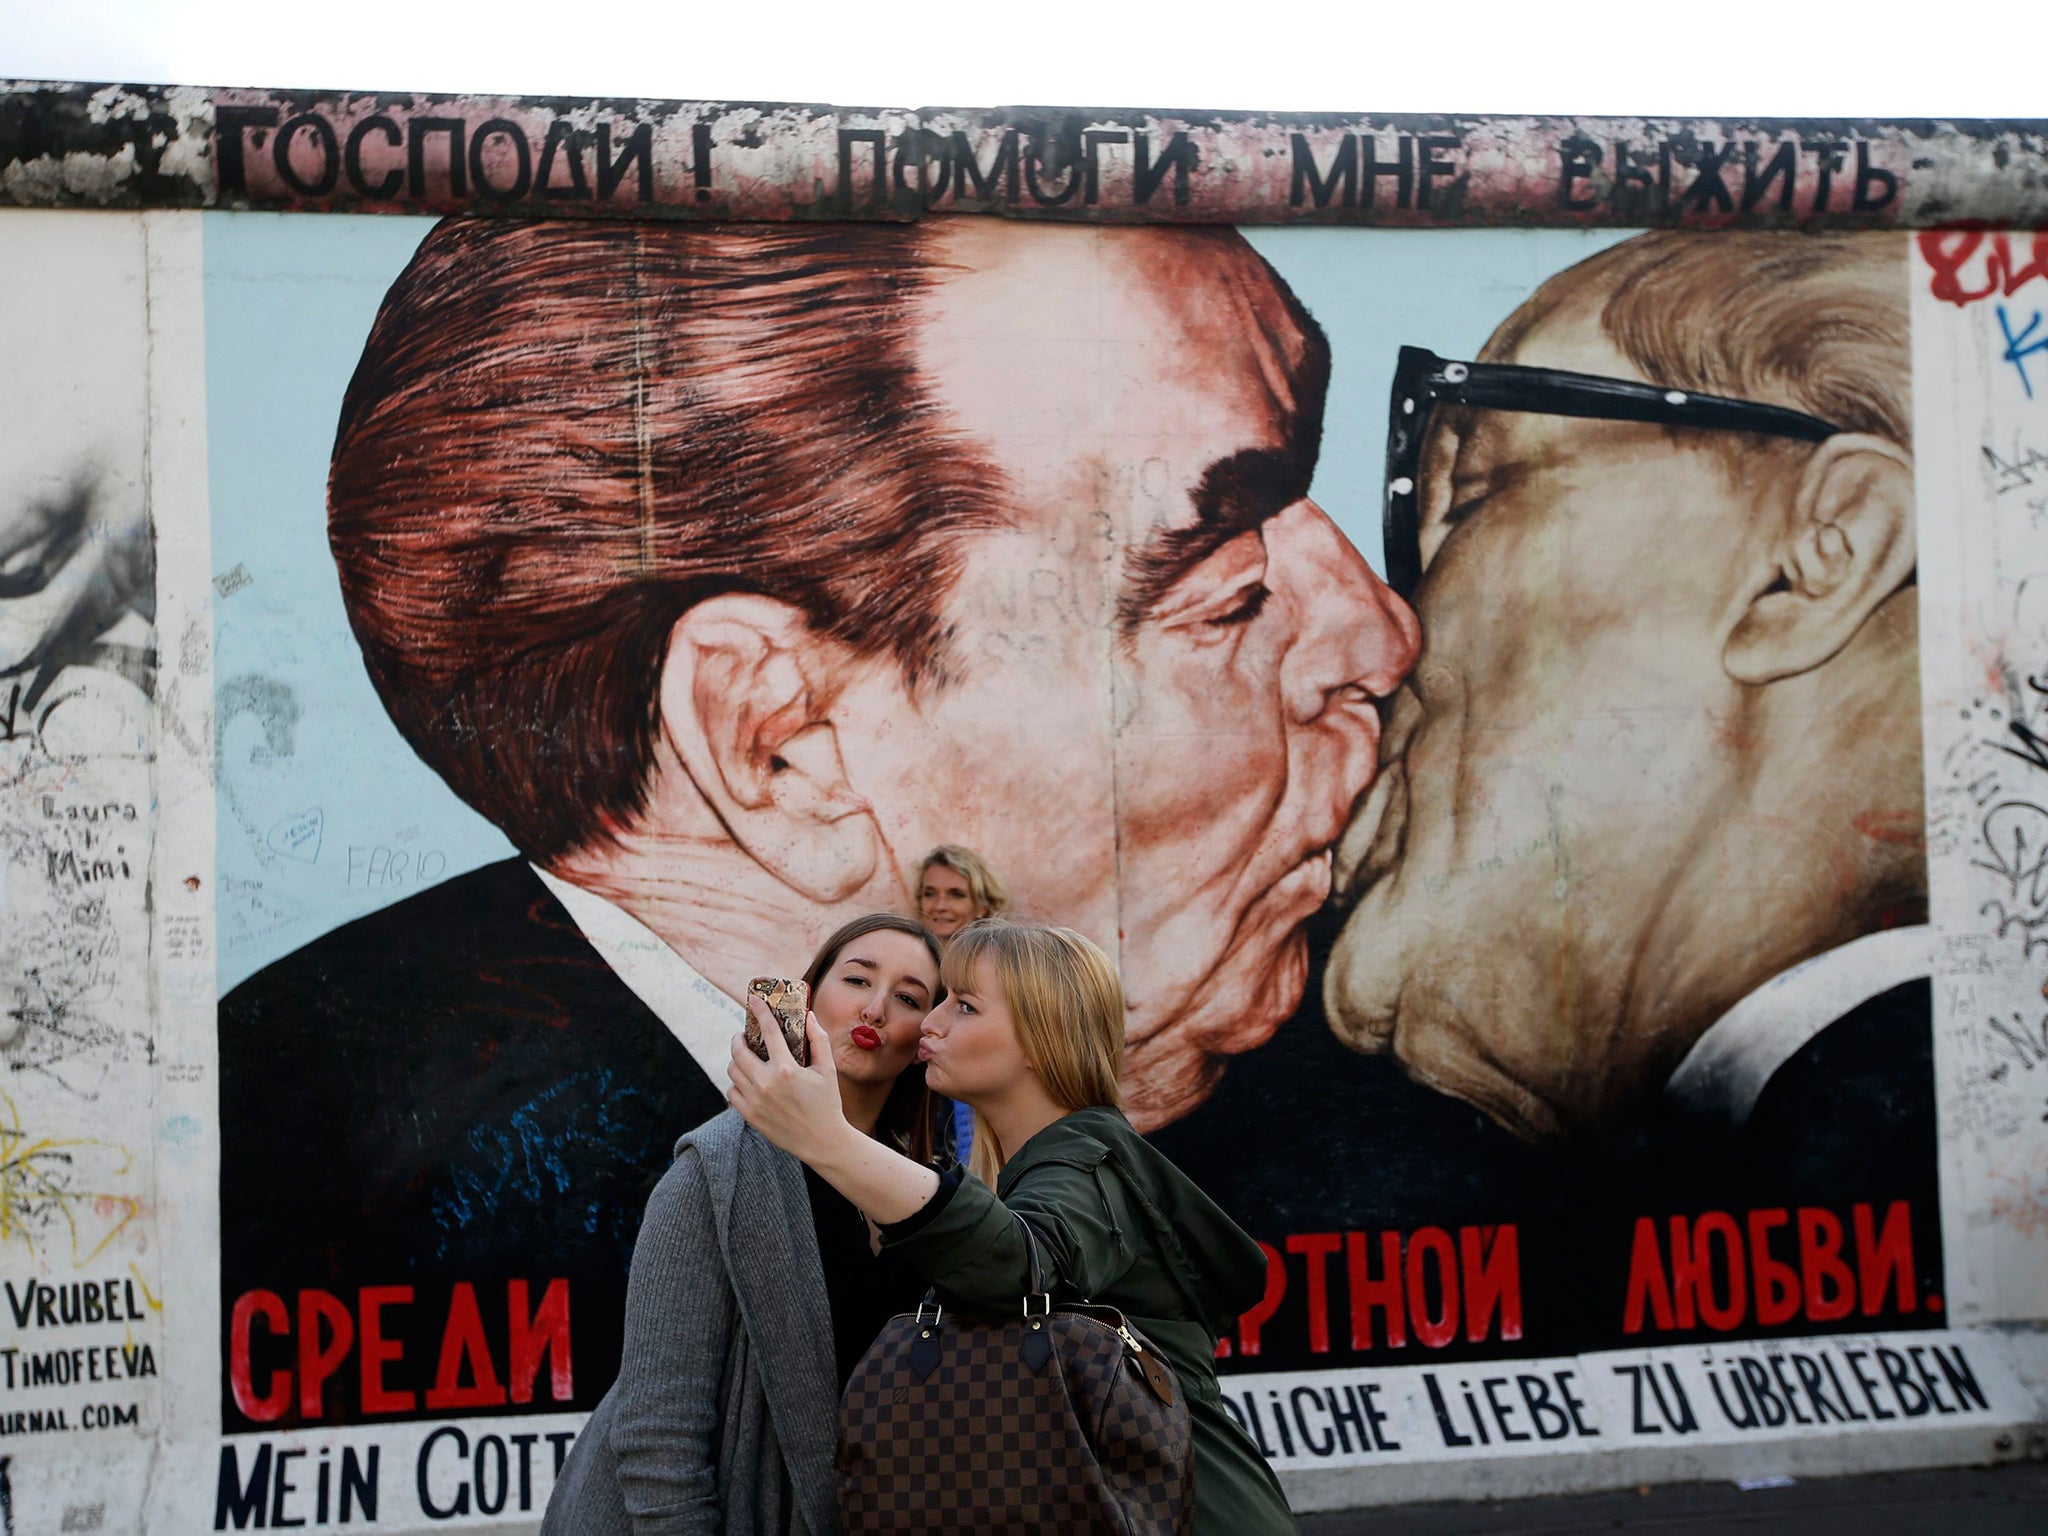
{"points": [[1316, 1248], [543, 1333], [1714, 1312], [376, 1351], [1493, 1279], [1384, 1293], [317, 1362], [1438, 1329], [1885, 1257], [1647, 1286], [463, 1341], [1777, 1283], [263, 1407], [1830, 1285]]}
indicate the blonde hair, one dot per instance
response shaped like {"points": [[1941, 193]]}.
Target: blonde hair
{"points": [[984, 886], [1067, 1004]]}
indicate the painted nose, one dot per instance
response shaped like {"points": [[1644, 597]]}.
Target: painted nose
{"points": [[1357, 639]]}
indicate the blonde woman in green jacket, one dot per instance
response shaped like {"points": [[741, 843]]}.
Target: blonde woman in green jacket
{"points": [[1031, 1035]]}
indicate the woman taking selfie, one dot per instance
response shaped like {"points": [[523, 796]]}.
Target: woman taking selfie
{"points": [[1031, 1035], [955, 887], [722, 1415]]}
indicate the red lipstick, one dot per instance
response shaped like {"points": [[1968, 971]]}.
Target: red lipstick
{"points": [[867, 1037]]}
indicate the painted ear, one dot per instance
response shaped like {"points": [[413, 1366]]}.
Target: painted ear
{"points": [[744, 689], [1848, 544]]}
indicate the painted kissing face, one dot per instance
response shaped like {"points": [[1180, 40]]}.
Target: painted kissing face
{"points": [[1167, 666], [1556, 763]]}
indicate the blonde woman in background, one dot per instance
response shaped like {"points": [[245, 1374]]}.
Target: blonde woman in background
{"points": [[956, 887], [1032, 1035]]}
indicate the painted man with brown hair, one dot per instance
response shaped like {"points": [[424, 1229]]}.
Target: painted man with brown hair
{"points": [[1651, 805], [727, 569]]}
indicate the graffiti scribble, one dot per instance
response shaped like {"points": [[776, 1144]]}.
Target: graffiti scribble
{"points": [[52, 1188]]}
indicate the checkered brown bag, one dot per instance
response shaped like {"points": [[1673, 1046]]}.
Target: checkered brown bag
{"points": [[1063, 1419]]}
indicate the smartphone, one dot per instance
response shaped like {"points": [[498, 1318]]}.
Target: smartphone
{"points": [[789, 1001]]}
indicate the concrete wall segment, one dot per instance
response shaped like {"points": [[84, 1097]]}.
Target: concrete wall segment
{"points": [[96, 145]]}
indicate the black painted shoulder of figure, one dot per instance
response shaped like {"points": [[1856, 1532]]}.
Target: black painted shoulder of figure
{"points": [[1851, 1115], [456, 1075]]}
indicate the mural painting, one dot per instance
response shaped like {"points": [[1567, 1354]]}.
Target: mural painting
{"points": [[1574, 912]]}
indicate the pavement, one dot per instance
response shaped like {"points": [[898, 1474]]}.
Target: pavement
{"points": [[2010, 1500]]}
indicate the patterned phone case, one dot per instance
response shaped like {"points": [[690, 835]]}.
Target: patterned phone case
{"points": [[788, 1001]]}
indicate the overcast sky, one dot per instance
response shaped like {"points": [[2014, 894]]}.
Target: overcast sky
{"points": [[1677, 57]]}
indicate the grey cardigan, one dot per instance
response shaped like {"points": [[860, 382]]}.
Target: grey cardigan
{"points": [[724, 1415]]}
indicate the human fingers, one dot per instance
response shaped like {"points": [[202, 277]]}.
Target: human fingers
{"points": [[745, 1064], [771, 1031], [821, 1047]]}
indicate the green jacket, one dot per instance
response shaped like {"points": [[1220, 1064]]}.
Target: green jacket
{"points": [[1119, 1225]]}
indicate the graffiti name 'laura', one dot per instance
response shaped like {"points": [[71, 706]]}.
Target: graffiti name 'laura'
{"points": [[1716, 1271], [328, 1334]]}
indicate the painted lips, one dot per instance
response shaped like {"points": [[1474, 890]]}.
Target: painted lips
{"points": [[867, 1037]]}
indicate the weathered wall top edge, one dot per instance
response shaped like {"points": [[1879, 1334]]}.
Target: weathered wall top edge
{"points": [[84, 144]]}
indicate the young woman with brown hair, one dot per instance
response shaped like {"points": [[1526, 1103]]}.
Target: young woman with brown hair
{"points": [[1031, 1035], [722, 1415]]}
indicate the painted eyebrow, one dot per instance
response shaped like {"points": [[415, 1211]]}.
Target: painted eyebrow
{"points": [[1234, 497]]}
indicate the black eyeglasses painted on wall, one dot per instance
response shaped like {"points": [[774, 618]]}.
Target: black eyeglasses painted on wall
{"points": [[1423, 381]]}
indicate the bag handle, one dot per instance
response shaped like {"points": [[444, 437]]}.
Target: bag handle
{"points": [[1039, 1290]]}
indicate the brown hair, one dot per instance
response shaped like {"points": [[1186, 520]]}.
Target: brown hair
{"points": [[984, 886], [915, 1120], [562, 434], [1067, 1002], [1819, 322]]}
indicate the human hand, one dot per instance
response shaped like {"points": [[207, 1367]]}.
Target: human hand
{"points": [[796, 1107]]}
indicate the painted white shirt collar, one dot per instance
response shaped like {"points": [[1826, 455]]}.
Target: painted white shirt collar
{"points": [[703, 1018], [1726, 1069]]}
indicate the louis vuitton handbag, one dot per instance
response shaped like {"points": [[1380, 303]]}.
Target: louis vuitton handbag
{"points": [[1060, 1419]]}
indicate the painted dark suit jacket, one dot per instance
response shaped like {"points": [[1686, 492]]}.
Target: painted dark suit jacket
{"points": [[456, 1089], [1307, 1136]]}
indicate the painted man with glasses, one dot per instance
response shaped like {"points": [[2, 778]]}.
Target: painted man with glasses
{"points": [[1649, 820]]}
